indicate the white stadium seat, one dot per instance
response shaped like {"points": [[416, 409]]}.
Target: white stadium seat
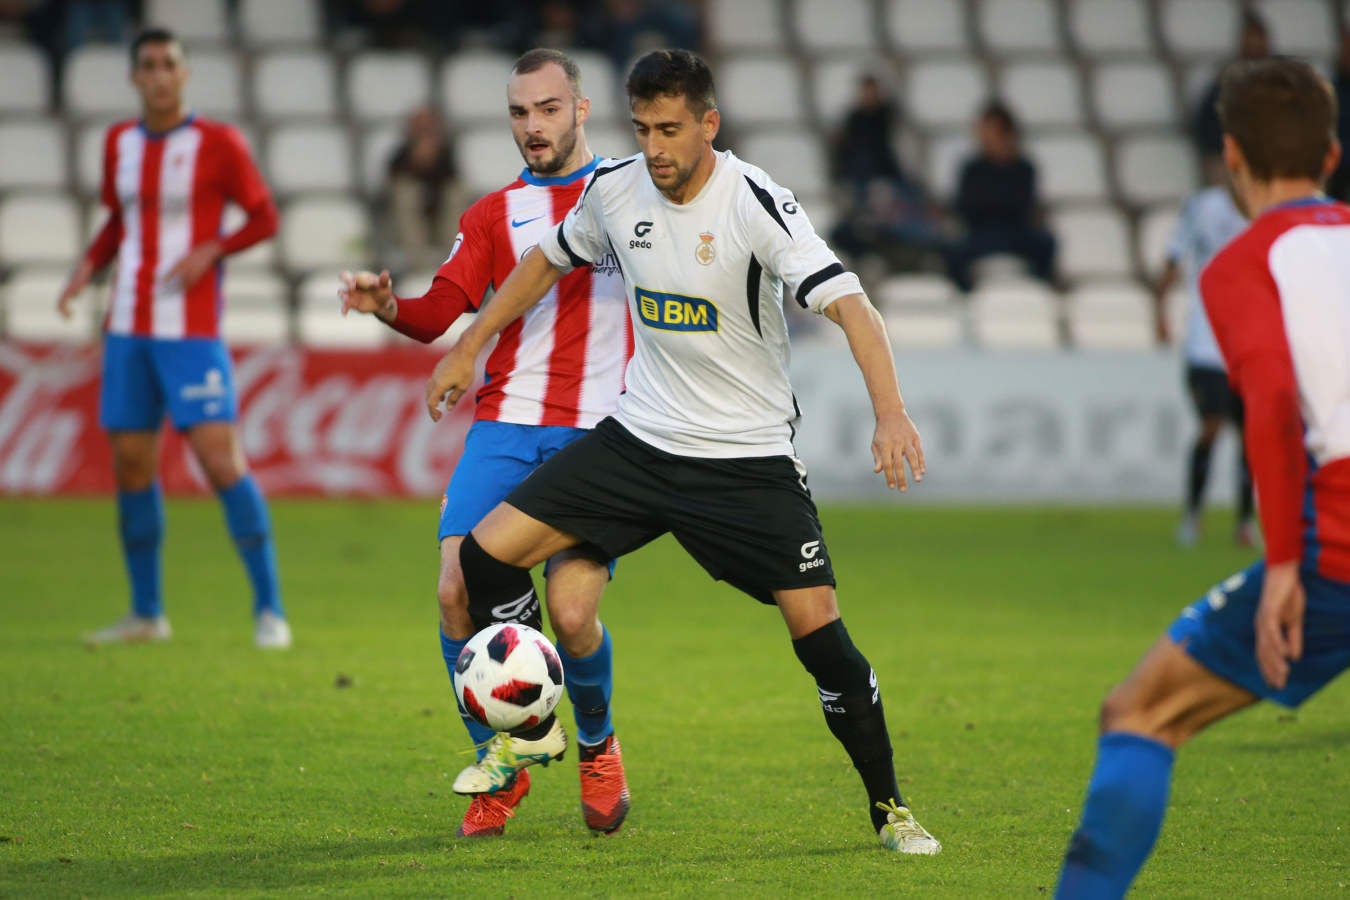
{"points": [[215, 87], [927, 26], [25, 85], [378, 144], [759, 90], [195, 21], [386, 85], [1068, 167], [1093, 241], [1019, 26], [1154, 168], [1301, 27], [29, 306], [1111, 315], [261, 257], [1133, 95], [473, 86], [32, 154], [745, 25], [914, 292], [599, 83], [1104, 27], [263, 22], [1156, 227], [945, 156], [824, 26], [289, 84], [946, 92], [613, 141], [89, 157], [792, 159], [320, 322], [1017, 315], [309, 158], [256, 309], [1207, 28], [329, 233], [1043, 93], [95, 83], [926, 329], [39, 228], [487, 159]]}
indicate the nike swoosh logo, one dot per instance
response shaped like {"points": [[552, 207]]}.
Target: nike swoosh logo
{"points": [[516, 223]]}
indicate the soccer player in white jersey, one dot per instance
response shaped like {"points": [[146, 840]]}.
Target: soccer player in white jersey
{"points": [[167, 178], [1209, 220], [1278, 297], [701, 443], [555, 373]]}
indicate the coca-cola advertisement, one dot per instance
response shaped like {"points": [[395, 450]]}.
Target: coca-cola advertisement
{"points": [[316, 422]]}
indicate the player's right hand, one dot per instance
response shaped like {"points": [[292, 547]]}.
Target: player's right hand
{"points": [[1279, 623], [79, 280], [366, 292], [449, 380]]}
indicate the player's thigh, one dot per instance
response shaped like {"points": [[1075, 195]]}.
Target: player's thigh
{"points": [[497, 457], [218, 449], [130, 396], [197, 379]]}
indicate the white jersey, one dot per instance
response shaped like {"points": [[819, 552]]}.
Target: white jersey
{"points": [[1209, 220], [705, 280]]}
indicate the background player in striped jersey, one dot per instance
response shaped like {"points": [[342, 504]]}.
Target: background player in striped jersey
{"points": [[554, 374], [166, 181], [1278, 297]]}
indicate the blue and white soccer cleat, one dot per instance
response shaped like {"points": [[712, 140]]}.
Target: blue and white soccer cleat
{"points": [[507, 755]]}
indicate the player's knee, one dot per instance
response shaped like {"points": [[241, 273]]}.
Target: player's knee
{"points": [[451, 595], [829, 654], [576, 626]]}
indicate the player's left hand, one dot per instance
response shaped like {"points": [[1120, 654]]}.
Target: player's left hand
{"points": [[1279, 623], [896, 442], [195, 264]]}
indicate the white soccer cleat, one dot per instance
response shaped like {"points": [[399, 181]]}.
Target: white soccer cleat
{"points": [[271, 632], [1188, 531], [132, 629], [507, 755], [903, 834]]}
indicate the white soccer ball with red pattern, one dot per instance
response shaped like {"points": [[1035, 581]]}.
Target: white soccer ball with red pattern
{"points": [[508, 676]]}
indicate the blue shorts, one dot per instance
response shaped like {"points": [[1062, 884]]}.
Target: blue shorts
{"points": [[1219, 632], [144, 377]]}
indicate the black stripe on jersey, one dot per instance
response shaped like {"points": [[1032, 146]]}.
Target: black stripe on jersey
{"points": [[766, 201], [577, 261], [599, 171], [752, 292], [810, 284]]}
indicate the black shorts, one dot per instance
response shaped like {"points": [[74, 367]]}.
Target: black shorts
{"points": [[748, 521], [1211, 394]]}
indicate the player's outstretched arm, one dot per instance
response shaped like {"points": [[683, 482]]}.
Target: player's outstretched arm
{"points": [[896, 440], [527, 284]]}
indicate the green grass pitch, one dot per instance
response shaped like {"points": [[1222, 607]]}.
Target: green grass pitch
{"points": [[205, 767]]}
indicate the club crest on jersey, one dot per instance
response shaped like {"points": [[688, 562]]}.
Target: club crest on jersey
{"points": [[705, 252], [675, 312]]}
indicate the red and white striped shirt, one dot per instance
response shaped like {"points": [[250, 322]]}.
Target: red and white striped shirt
{"points": [[563, 361], [166, 194], [1278, 297]]}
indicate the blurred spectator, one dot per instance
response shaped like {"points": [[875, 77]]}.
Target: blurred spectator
{"points": [[628, 28], [1253, 43], [997, 203], [425, 196], [1338, 185], [887, 213]]}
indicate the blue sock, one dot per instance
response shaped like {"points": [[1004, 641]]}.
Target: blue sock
{"points": [[140, 519], [246, 517], [479, 734], [1123, 813], [590, 683]]}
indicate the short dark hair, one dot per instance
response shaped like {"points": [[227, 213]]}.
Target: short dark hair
{"points": [[673, 73], [151, 36], [1001, 113], [1282, 115], [536, 59]]}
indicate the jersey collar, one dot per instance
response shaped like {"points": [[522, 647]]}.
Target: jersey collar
{"points": [[1317, 199], [547, 180], [191, 117]]}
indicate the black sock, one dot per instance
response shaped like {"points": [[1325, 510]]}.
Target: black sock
{"points": [[498, 591], [1198, 476], [853, 711]]}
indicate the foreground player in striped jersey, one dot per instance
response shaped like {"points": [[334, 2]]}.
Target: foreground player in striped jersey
{"points": [[166, 181], [1278, 297], [701, 443], [555, 373]]}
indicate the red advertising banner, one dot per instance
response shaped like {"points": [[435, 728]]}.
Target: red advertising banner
{"points": [[315, 422]]}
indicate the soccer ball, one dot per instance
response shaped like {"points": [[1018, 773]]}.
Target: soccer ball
{"points": [[508, 676]]}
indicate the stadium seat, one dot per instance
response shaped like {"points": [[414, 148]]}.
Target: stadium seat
{"points": [[1301, 27], [261, 257], [39, 228], [792, 159], [760, 90], [32, 154], [329, 233], [926, 329], [290, 84], [320, 323], [215, 87], [826, 26], [25, 85], [913, 292], [1111, 315], [309, 158], [613, 141], [95, 83], [599, 83], [195, 21], [1018, 315], [945, 155], [266, 22], [945, 93], [1154, 168], [473, 86], [1011, 27], [89, 139], [30, 308], [378, 144], [1043, 94], [1093, 242], [386, 85], [1200, 28], [256, 309], [1068, 167], [1109, 27], [1133, 95], [1155, 230], [926, 26], [735, 25], [487, 158]]}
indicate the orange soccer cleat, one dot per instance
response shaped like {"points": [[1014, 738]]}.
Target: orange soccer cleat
{"points": [[604, 790], [487, 813]]}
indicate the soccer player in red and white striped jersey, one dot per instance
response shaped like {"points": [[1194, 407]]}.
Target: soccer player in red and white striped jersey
{"points": [[556, 372], [167, 178]]}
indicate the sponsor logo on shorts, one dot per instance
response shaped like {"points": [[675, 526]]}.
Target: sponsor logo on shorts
{"points": [[675, 312], [211, 388], [811, 553]]}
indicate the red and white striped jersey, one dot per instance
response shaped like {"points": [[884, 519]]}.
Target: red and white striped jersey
{"points": [[563, 361], [1278, 298], [166, 194]]}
